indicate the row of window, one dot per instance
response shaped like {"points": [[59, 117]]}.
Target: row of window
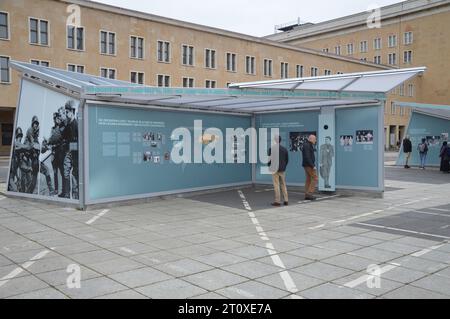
{"points": [[400, 90], [377, 44], [392, 58], [404, 111], [39, 35]]}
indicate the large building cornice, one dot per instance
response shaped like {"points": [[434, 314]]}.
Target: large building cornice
{"points": [[216, 31], [359, 20]]}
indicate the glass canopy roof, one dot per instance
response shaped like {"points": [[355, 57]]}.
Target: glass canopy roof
{"points": [[366, 88]]}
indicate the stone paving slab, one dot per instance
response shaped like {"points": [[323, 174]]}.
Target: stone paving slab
{"points": [[197, 248]]}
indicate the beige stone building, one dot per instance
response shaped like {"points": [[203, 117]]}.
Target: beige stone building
{"points": [[411, 33], [134, 46]]}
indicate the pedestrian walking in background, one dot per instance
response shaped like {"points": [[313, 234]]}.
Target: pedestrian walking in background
{"points": [[279, 158], [309, 164], [445, 158], [423, 152], [407, 149]]}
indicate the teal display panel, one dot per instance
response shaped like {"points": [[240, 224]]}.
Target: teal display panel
{"points": [[293, 127], [130, 153], [357, 147], [435, 130]]}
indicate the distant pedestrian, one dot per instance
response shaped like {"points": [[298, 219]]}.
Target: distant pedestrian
{"points": [[309, 164], [423, 152], [445, 158], [407, 149], [279, 159]]}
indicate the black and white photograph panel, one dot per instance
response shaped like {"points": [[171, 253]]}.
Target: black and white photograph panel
{"points": [[296, 140], [364, 137], [45, 147]]}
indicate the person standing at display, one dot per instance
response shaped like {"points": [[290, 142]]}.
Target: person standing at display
{"points": [[407, 149], [309, 165], [423, 151], [279, 155], [326, 161], [445, 158]]}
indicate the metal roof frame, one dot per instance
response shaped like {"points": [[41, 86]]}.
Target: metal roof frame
{"points": [[247, 98]]}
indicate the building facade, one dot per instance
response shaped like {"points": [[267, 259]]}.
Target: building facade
{"points": [[411, 33], [89, 37]]}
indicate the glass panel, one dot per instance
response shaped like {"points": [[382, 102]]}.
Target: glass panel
{"points": [[167, 51], [140, 48], [33, 31], [160, 51], [44, 32], [112, 41], [141, 78], [3, 26], [191, 55], [80, 36], [103, 42], [133, 77], [70, 37], [80, 69], [112, 74]]}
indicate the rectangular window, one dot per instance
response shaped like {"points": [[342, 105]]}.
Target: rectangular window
{"points": [[163, 51], [38, 31], [410, 90], [210, 84], [136, 47], [76, 68], [163, 80], [393, 108], [299, 70], [284, 70], [187, 55], [363, 47], [4, 70], [377, 59], [377, 44], [210, 59], [327, 72], [407, 38], [392, 57], [268, 67], [137, 77], [107, 42], [326, 50], [364, 59], [75, 38], [402, 111], [350, 48], [108, 73], [4, 26], [7, 134], [250, 64], [188, 82], [401, 89], [392, 41], [231, 62], [314, 71], [41, 63], [407, 57], [337, 50]]}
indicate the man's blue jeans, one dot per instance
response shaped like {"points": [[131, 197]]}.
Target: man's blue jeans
{"points": [[423, 159]]}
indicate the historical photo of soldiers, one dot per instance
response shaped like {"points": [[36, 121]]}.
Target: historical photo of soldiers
{"points": [[45, 158], [364, 137], [296, 140], [326, 161]]}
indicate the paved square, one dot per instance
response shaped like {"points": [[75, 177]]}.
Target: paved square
{"points": [[212, 246]]}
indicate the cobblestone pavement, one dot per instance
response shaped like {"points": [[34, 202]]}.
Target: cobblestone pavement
{"points": [[233, 245]]}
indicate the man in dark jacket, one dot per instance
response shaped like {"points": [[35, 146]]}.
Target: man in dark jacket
{"points": [[309, 164], [407, 149], [279, 159]]}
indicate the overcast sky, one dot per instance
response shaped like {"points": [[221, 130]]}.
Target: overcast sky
{"points": [[253, 17]]}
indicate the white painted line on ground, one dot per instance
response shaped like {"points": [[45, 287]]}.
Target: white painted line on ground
{"points": [[445, 227], [428, 213], [317, 227], [24, 266], [317, 199], [440, 209], [391, 266], [93, 219], [127, 250], [404, 230], [285, 276], [364, 278]]}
